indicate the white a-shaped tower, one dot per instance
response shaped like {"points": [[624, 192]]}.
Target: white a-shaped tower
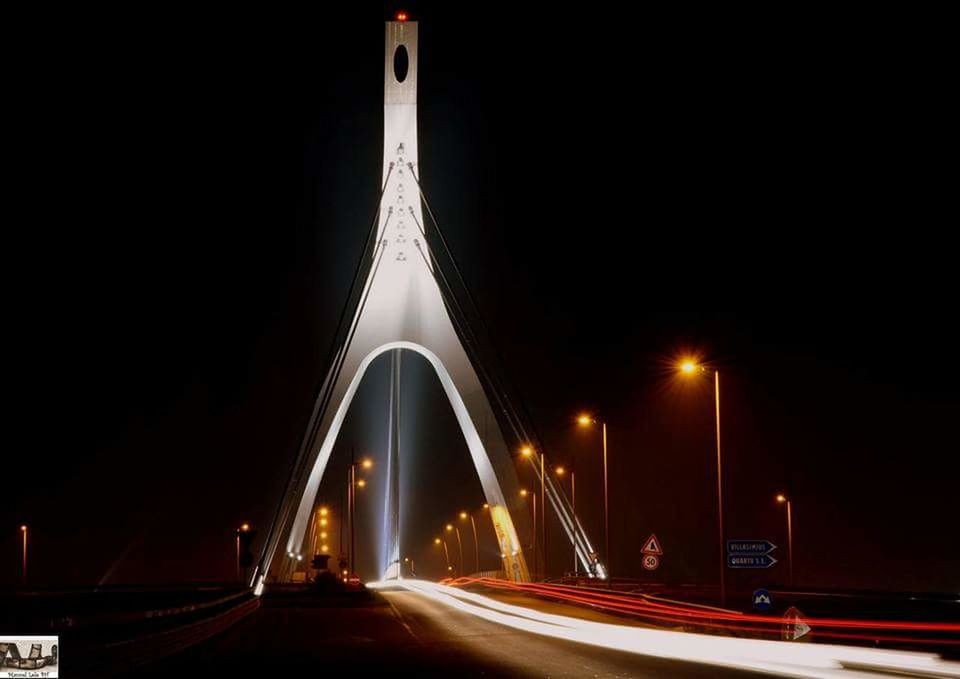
{"points": [[402, 307]]}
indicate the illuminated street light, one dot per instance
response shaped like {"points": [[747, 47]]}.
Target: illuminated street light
{"points": [[486, 506], [689, 367], [367, 463], [324, 511], [783, 499], [245, 527], [362, 483], [526, 451], [23, 572], [560, 471], [476, 541], [523, 492], [585, 420], [437, 541]]}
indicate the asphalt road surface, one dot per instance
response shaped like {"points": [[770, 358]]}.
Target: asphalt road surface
{"points": [[403, 632]]}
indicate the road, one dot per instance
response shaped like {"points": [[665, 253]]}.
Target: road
{"points": [[425, 629], [404, 632]]}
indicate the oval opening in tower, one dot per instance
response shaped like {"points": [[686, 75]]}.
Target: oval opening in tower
{"points": [[401, 62]]}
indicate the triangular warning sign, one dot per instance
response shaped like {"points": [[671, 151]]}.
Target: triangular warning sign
{"points": [[794, 625], [652, 546]]}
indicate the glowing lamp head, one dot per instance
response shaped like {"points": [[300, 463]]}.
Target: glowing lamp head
{"points": [[449, 527], [324, 511], [401, 16], [245, 527], [406, 559], [449, 568], [584, 420], [561, 471], [325, 548], [367, 464], [23, 528], [437, 541], [526, 451], [523, 492], [781, 497], [362, 483], [463, 515], [688, 366], [486, 506]]}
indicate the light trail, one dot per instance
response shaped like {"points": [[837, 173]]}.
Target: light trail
{"points": [[649, 608], [777, 657]]}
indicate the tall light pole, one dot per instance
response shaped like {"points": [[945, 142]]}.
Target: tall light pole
{"points": [[23, 572], [446, 552], [451, 527], [413, 569], [533, 498], [783, 499], [352, 484], [527, 451], [476, 541], [585, 421], [560, 471], [690, 367], [242, 529]]}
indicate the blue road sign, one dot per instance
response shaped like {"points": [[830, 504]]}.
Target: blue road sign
{"points": [[750, 561], [750, 546], [762, 600]]}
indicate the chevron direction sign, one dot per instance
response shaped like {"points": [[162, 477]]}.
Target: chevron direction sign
{"points": [[750, 554]]}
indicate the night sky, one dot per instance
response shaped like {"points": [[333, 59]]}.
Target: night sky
{"points": [[189, 199]]}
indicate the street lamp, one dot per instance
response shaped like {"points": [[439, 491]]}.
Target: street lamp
{"points": [[451, 527], [413, 569], [352, 484], [244, 528], [560, 471], [783, 499], [527, 451], [23, 574], [476, 541], [446, 552], [533, 499], [690, 367], [586, 420]]}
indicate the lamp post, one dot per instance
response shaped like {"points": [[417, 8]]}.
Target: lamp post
{"points": [[446, 552], [23, 572], [413, 569], [451, 527], [476, 541], [783, 499], [585, 421], [533, 501], [690, 367], [352, 484], [560, 471], [245, 527]]}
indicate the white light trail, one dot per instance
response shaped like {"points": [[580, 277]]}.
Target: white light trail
{"points": [[776, 657]]}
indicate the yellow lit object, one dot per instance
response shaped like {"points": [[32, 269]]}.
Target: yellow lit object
{"points": [[245, 527], [323, 522], [367, 463], [449, 526], [449, 568], [526, 451], [523, 492], [463, 515], [486, 506], [561, 471], [781, 498], [323, 536], [324, 511], [326, 548], [584, 420], [23, 528], [362, 483], [437, 541]]}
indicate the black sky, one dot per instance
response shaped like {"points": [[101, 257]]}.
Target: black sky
{"points": [[189, 197]]}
